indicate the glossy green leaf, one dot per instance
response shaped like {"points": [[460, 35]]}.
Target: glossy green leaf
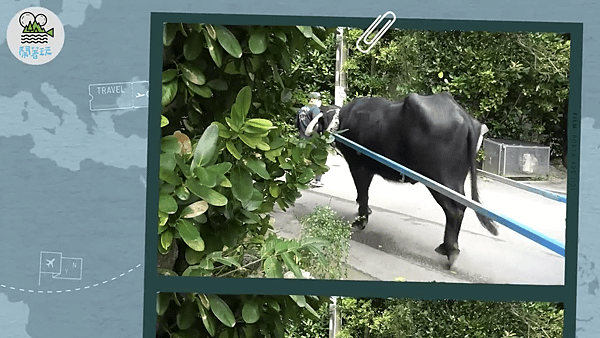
{"points": [[167, 161], [170, 144], [244, 99], [162, 250], [169, 32], [234, 124], [212, 33], [194, 209], [185, 168], [203, 300], [263, 146], [192, 73], [204, 90], [196, 271], [288, 259], [192, 46], [211, 196], [277, 76], [169, 90], [206, 177], [312, 311], [252, 217], [273, 268], [237, 116], [255, 201], [165, 272], [228, 41], [229, 261], [162, 218], [300, 300], [169, 75], [182, 193], [163, 299], [233, 150], [241, 182], [319, 42], [274, 191], [220, 168], [167, 204], [208, 320], [221, 310], [215, 50], [186, 315], [306, 30], [281, 35], [206, 146], [166, 238], [163, 121], [258, 167], [251, 311], [218, 84], [261, 124], [258, 41], [250, 141], [224, 132], [193, 257], [190, 234]]}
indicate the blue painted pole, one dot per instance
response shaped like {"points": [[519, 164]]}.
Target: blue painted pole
{"points": [[524, 230], [527, 187]]}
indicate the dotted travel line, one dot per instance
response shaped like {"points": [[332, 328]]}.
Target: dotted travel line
{"points": [[71, 290]]}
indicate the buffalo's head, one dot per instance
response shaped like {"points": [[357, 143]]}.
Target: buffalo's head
{"points": [[326, 120]]}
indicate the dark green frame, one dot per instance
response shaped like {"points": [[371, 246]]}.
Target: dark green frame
{"points": [[154, 283]]}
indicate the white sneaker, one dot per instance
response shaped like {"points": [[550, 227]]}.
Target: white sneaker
{"points": [[316, 184]]}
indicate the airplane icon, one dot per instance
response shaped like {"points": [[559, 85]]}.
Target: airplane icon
{"points": [[50, 262], [139, 95]]}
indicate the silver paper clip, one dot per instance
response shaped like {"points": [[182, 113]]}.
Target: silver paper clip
{"points": [[371, 28]]}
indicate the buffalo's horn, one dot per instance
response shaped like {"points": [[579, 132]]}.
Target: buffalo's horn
{"points": [[335, 122], [311, 125]]}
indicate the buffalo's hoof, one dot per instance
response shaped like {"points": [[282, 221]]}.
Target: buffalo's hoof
{"points": [[452, 254], [359, 223]]}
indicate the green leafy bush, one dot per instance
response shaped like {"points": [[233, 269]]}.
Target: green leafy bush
{"points": [[228, 155], [324, 224], [446, 318], [198, 315]]}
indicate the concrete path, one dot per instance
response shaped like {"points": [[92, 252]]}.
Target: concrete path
{"points": [[407, 224]]}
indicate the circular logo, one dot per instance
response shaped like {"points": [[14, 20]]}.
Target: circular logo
{"points": [[35, 35]]}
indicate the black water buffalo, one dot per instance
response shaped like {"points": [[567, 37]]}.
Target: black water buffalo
{"points": [[432, 135]]}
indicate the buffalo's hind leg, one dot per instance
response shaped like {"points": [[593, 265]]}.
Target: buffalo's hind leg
{"points": [[454, 212], [362, 181]]}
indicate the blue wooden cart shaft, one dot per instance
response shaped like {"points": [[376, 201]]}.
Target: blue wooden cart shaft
{"points": [[508, 222], [527, 187]]}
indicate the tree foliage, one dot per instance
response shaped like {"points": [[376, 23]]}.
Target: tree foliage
{"points": [[404, 318], [376, 318], [228, 155], [228, 316], [517, 83]]}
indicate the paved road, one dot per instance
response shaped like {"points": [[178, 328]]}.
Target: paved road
{"points": [[407, 224]]}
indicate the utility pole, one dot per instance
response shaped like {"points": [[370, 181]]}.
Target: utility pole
{"points": [[335, 320], [341, 78]]}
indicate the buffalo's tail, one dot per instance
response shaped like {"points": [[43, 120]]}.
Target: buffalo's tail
{"points": [[473, 137]]}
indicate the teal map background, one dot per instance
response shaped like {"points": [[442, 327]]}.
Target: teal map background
{"points": [[73, 180]]}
